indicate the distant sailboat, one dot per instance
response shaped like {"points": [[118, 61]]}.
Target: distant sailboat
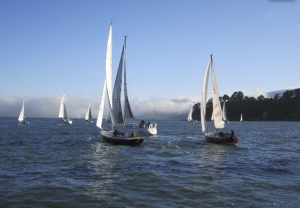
{"points": [[224, 113], [241, 120], [78, 116], [88, 116], [113, 136], [217, 136], [22, 115], [63, 117], [190, 116]]}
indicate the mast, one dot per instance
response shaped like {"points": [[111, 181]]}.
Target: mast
{"points": [[127, 109]]}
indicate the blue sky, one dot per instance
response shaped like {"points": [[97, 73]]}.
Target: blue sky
{"points": [[48, 47]]}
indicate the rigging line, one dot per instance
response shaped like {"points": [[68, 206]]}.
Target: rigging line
{"points": [[147, 114]]}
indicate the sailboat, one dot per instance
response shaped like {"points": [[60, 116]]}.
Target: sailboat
{"points": [[113, 136], [224, 113], [22, 115], [123, 125], [241, 120], [78, 116], [63, 116], [190, 118], [219, 135], [88, 116]]}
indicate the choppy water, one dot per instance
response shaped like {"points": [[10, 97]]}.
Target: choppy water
{"points": [[44, 164]]}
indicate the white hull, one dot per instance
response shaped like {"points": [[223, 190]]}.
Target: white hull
{"points": [[145, 130], [66, 121]]}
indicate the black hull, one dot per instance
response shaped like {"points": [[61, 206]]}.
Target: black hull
{"points": [[121, 141]]}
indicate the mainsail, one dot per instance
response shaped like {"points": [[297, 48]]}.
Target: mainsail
{"points": [[224, 112], [109, 66], [62, 110], [203, 98], [101, 108], [117, 110], [218, 121], [88, 116], [21, 116], [190, 114], [127, 109]]}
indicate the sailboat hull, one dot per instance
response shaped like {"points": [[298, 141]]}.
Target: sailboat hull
{"points": [[221, 140], [23, 122], [144, 129], [108, 137]]}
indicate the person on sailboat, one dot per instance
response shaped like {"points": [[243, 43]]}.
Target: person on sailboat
{"points": [[231, 139]]}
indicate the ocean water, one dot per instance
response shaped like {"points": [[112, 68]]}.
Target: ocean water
{"points": [[45, 164]]}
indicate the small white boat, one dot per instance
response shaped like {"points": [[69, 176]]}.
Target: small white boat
{"points": [[63, 116], [22, 115], [78, 116], [88, 116], [241, 120]]}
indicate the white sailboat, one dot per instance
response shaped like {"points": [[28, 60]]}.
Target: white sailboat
{"points": [[123, 125], [78, 116], [241, 120], [113, 136], [63, 116], [190, 117], [218, 136], [224, 113], [22, 115], [88, 116]]}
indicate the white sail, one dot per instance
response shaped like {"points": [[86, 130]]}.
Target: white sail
{"points": [[203, 98], [62, 110], [224, 112], [212, 116], [117, 110], [218, 114], [22, 113], [109, 69], [241, 117], [190, 114], [127, 109], [88, 116], [101, 108], [112, 116], [78, 116]]}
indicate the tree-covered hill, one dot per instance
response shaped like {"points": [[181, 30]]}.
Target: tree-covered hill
{"points": [[278, 108]]}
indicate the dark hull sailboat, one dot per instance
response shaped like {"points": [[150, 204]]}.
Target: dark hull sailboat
{"points": [[110, 138]]}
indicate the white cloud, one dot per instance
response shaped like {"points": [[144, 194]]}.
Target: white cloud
{"points": [[48, 107], [257, 92]]}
